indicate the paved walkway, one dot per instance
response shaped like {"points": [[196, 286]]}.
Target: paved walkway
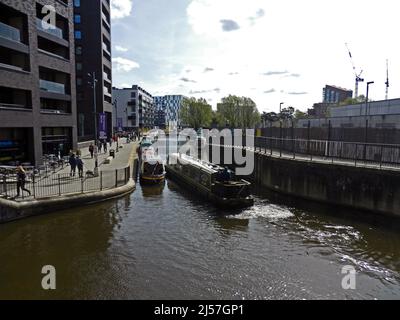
{"points": [[60, 183], [325, 160], [121, 160]]}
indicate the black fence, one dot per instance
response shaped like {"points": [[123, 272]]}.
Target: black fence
{"points": [[41, 186], [335, 151], [366, 134]]}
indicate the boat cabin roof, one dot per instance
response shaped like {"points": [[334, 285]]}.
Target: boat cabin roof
{"points": [[203, 165]]}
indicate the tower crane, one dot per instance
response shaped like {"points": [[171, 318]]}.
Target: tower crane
{"points": [[357, 74], [387, 79]]}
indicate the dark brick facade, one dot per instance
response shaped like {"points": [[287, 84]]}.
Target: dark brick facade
{"points": [[35, 118], [94, 56]]}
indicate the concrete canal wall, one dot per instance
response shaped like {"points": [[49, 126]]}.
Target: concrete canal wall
{"points": [[12, 210], [363, 188]]}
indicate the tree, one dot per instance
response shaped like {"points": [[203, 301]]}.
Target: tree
{"points": [[269, 117], [196, 113], [358, 100], [238, 112], [300, 115]]}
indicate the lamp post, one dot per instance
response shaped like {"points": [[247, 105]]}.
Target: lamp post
{"points": [[92, 82], [116, 123], [366, 99], [280, 107], [366, 120]]}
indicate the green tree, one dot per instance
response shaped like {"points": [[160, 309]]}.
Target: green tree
{"points": [[300, 115], [269, 117], [350, 101], [196, 113], [238, 112]]}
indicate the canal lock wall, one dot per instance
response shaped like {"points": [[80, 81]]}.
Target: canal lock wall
{"points": [[369, 189]]}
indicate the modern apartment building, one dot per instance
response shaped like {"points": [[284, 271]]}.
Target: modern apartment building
{"points": [[93, 56], [134, 109], [384, 114], [333, 94], [168, 110], [37, 80]]}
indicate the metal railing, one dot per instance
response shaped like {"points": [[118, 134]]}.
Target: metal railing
{"points": [[9, 32], [51, 86], [49, 28], [355, 153], [42, 186]]}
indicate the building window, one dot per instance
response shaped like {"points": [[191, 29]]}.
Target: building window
{"points": [[77, 3], [77, 18], [78, 34], [78, 50], [78, 66], [79, 81]]}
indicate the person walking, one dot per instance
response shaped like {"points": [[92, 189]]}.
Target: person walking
{"points": [[21, 180], [79, 164], [91, 150], [72, 163], [105, 146], [99, 146]]}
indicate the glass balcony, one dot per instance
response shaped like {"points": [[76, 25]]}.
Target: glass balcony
{"points": [[106, 77], [50, 86], [49, 28], [106, 48], [9, 32]]}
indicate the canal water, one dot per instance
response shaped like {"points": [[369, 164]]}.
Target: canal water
{"points": [[164, 243]]}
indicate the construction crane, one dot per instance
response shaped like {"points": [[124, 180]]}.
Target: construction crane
{"points": [[387, 79], [357, 75]]}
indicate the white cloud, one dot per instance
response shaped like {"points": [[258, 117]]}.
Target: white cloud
{"points": [[124, 65], [121, 8], [298, 43], [121, 49], [205, 16]]}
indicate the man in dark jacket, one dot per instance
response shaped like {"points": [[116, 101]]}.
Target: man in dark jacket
{"points": [[21, 180], [91, 150], [72, 163], [79, 164]]}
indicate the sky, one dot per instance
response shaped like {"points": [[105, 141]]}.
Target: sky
{"points": [[272, 51]]}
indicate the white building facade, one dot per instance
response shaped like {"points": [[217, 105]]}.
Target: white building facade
{"points": [[134, 109], [168, 110]]}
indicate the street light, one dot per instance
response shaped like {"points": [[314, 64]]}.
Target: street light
{"points": [[280, 107], [116, 122], [92, 82], [366, 99]]}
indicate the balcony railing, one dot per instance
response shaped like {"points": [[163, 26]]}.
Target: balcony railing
{"points": [[106, 48], [9, 32], [49, 28], [106, 77], [50, 86]]}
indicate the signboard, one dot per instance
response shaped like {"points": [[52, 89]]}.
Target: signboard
{"points": [[102, 126], [120, 124]]}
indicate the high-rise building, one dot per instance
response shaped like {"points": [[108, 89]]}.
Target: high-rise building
{"points": [[168, 110], [333, 94], [93, 56], [134, 109], [37, 80]]}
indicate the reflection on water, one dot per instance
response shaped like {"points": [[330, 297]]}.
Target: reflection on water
{"points": [[153, 191], [163, 242]]}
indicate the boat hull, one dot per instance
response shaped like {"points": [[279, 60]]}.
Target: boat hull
{"points": [[225, 203], [152, 180]]}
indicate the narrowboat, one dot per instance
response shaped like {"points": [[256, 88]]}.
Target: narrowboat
{"points": [[210, 181], [151, 167]]}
